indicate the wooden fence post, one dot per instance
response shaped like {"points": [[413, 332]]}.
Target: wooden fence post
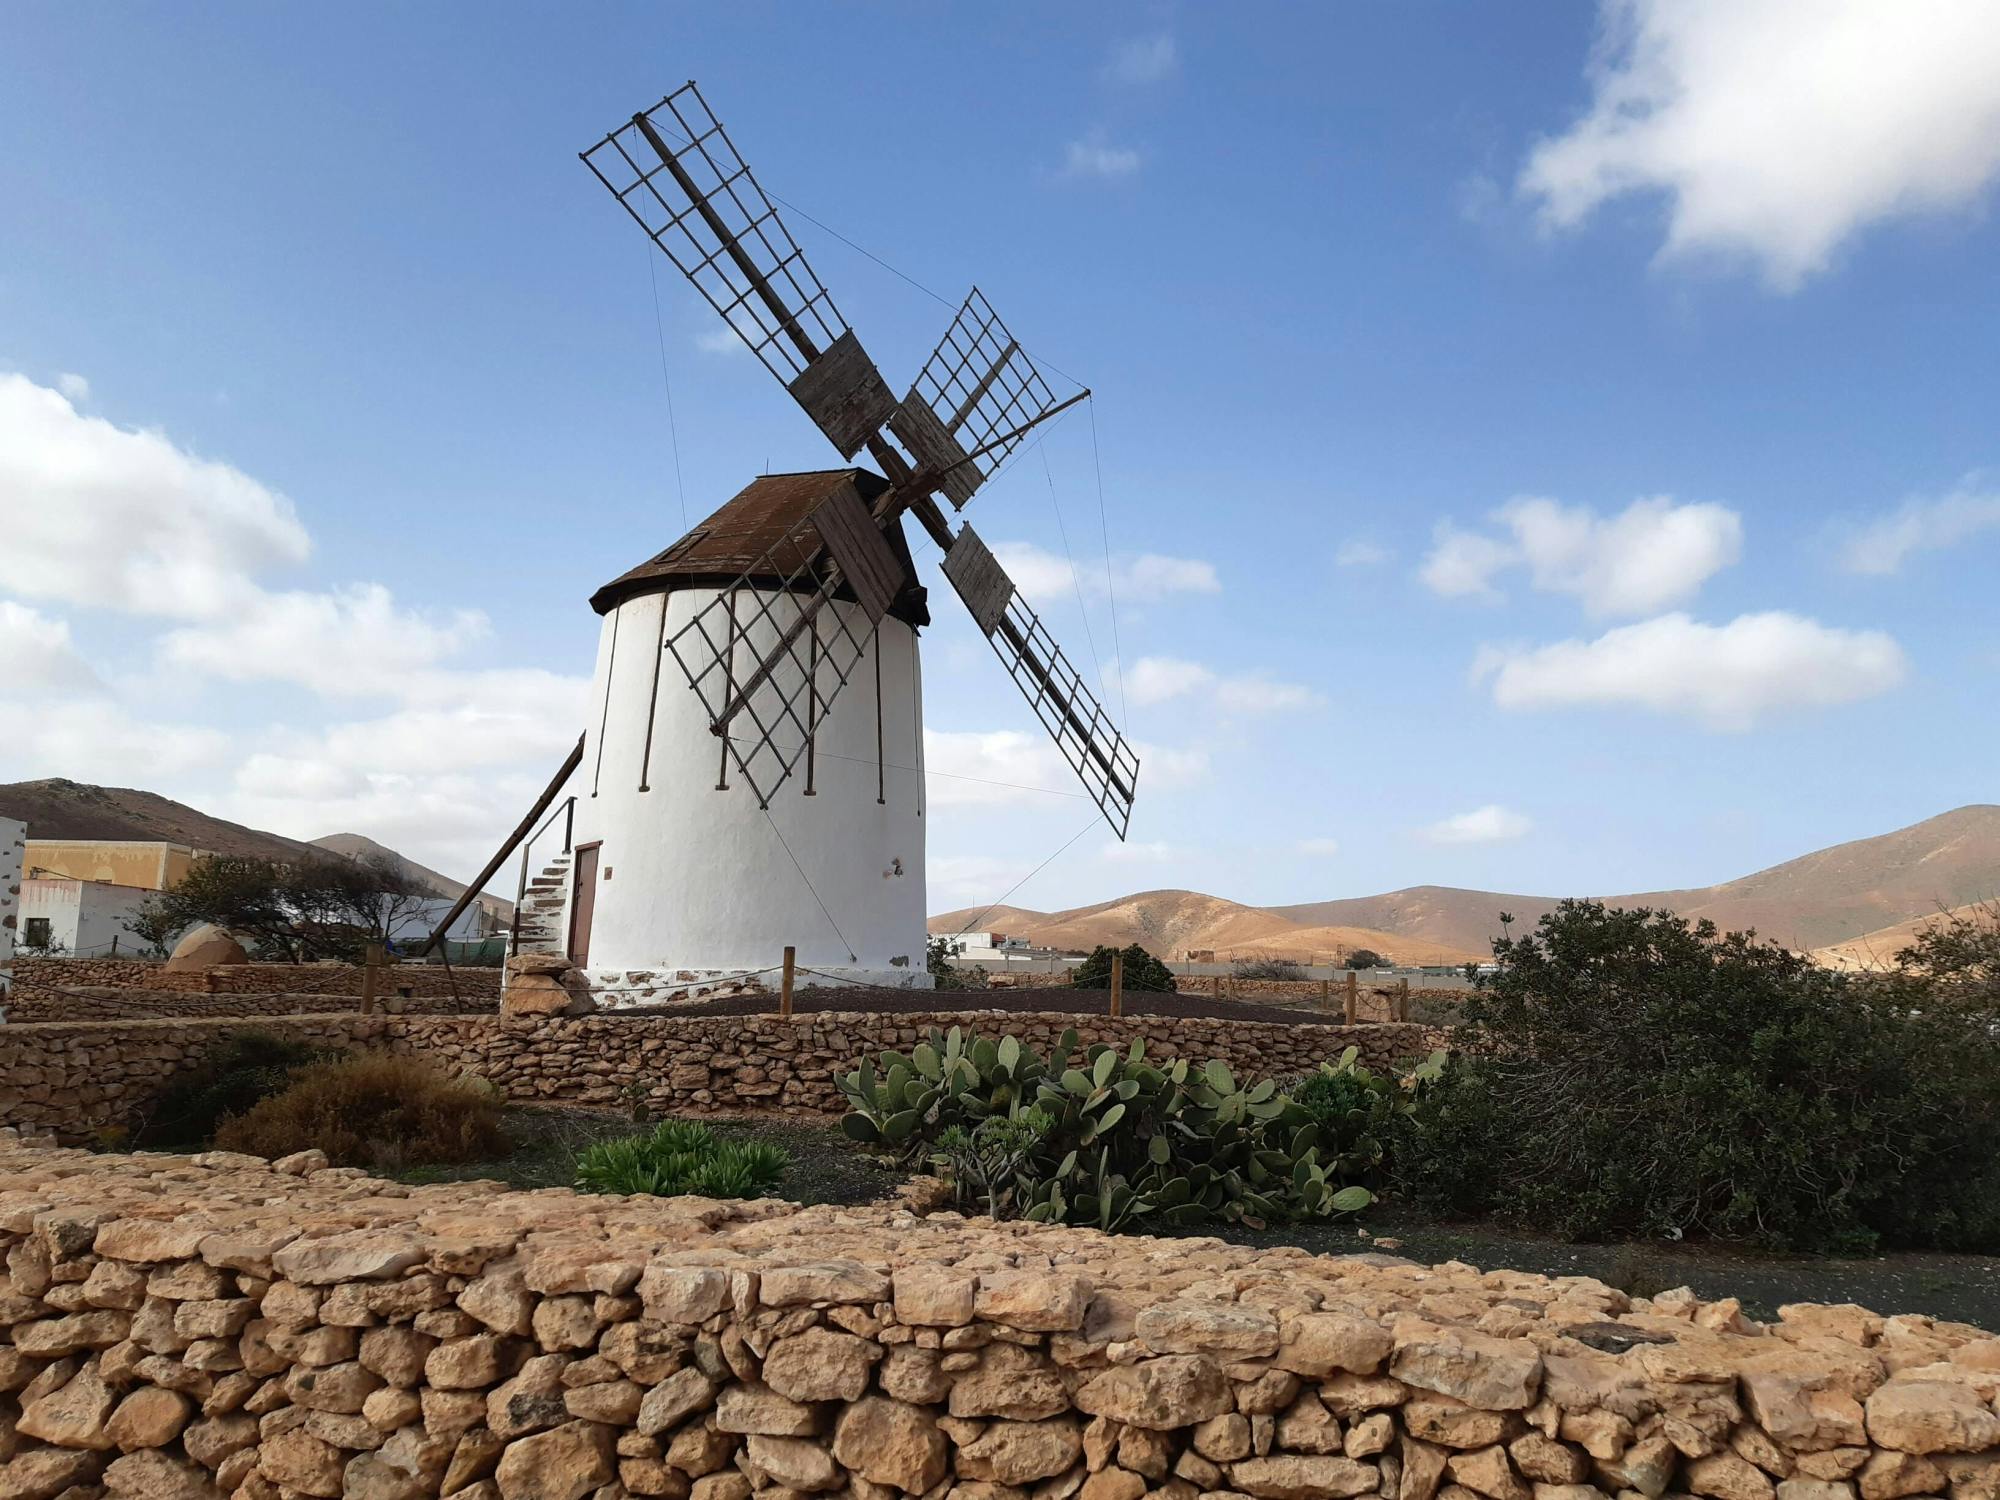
{"points": [[371, 961], [1353, 997], [1403, 1000], [1326, 994], [1117, 984], [785, 987]]}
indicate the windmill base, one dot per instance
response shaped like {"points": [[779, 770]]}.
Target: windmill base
{"points": [[625, 989]]}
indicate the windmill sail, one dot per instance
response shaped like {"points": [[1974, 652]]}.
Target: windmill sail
{"points": [[979, 385], [677, 173], [765, 654], [1083, 732]]}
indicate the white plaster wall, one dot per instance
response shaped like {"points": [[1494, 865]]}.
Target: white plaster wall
{"points": [[13, 851], [85, 915], [696, 881]]}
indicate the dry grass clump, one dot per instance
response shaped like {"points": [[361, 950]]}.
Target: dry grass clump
{"points": [[374, 1110]]}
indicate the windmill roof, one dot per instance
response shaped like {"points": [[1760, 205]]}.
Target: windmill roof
{"points": [[729, 542]]}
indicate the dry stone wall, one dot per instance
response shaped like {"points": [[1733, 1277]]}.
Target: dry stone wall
{"points": [[39, 1003], [254, 979], [80, 1078], [186, 1328]]}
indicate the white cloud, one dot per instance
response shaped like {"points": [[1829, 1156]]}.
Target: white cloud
{"points": [[1157, 679], [73, 386], [352, 642], [1158, 852], [1778, 128], [1920, 525], [36, 654], [1046, 578], [98, 739], [1462, 564], [120, 519], [1319, 848], [720, 341], [1359, 553], [1093, 157], [1725, 676], [975, 768], [1491, 824], [1146, 59], [1651, 554]]}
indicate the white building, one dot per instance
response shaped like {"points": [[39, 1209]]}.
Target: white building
{"points": [[13, 850], [81, 918], [679, 874]]}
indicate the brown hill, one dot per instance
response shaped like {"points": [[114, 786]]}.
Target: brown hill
{"points": [[359, 846], [1174, 922], [58, 809], [1878, 949], [1870, 889]]}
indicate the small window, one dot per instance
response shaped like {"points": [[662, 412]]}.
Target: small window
{"points": [[36, 933], [685, 544]]}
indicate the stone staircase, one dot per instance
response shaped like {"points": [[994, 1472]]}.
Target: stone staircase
{"points": [[545, 909]]}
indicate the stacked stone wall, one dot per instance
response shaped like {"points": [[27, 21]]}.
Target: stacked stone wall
{"points": [[78, 1079], [192, 1328], [252, 979], [39, 1003]]}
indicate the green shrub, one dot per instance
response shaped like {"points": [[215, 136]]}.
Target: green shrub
{"points": [[1267, 968], [239, 1070], [1108, 1139], [680, 1156], [1356, 1111], [1142, 971], [947, 975], [1631, 1074], [374, 1110]]}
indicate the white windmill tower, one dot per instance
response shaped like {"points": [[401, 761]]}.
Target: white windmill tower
{"points": [[751, 773]]}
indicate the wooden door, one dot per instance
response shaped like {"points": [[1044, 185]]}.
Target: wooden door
{"points": [[582, 903]]}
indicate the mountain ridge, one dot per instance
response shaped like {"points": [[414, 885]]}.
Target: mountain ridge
{"points": [[1831, 896]]}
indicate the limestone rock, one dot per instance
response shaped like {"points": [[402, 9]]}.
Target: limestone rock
{"points": [[891, 1442], [820, 1365], [1931, 1416], [205, 946], [1023, 1452], [1173, 1390], [1291, 1477], [564, 1464]]}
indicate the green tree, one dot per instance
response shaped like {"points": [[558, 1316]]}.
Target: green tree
{"points": [[1630, 1073], [155, 925], [1142, 971], [1366, 958]]}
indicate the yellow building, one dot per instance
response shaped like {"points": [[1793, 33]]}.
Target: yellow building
{"points": [[141, 863]]}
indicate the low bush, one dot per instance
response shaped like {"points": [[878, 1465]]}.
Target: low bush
{"points": [[374, 1110], [239, 1070], [1268, 968], [939, 956], [1627, 1073], [1142, 971], [1108, 1139], [680, 1156]]}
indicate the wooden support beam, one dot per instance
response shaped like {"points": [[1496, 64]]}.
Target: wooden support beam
{"points": [[371, 969], [1117, 984], [478, 882], [1353, 996], [785, 984]]}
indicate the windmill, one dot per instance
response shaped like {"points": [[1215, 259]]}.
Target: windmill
{"points": [[789, 617]]}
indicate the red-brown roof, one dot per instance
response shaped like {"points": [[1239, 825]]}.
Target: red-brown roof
{"points": [[743, 530]]}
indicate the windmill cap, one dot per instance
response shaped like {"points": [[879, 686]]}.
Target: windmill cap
{"points": [[719, 550]]}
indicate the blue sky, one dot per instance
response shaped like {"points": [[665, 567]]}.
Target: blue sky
{"points": [[1543, 448]]}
